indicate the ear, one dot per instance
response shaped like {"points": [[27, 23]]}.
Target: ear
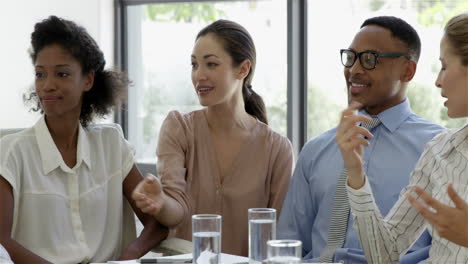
{"points": [[244, 69], [89, 81], [409, 72]]}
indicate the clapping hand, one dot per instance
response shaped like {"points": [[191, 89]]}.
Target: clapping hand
{"points": [[450, 222], [351, 138], [149, 195]]}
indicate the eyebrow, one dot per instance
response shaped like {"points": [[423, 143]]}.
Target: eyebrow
{"points": [[367, 50], [206, 56], [58, 65]]}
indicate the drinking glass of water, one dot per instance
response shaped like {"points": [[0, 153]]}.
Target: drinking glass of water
{"points": [[262, 227], [284, 251], [206, 238]]}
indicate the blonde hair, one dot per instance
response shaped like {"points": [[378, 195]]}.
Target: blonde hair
{"points": [[456, 31]]}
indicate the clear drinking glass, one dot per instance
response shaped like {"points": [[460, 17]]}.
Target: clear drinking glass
{"points": [[262, 227], [284, 251], [206, 238]]}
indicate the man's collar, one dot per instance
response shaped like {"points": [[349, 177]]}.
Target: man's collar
{"points": [[393, 117], [50, 155]]}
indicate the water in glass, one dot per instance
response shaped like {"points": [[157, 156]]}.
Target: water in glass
{"points": [[207, 249], [284, 260], [261, 230]]}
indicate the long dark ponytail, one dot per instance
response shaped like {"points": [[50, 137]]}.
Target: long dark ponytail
{"points": [[239, 45]]}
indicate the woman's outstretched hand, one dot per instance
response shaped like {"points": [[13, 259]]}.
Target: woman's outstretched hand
{"points": [[450, 222], [149, 195]]}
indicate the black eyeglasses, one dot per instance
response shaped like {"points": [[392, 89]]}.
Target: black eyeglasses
{"points": [[367, 58]]}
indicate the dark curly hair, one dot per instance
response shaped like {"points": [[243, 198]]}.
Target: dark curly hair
{"points": [[108, 86], [238, 43], [401, 30]]}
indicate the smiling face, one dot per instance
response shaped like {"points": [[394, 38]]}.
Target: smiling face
{"points": [[215, 78], [453, 80], [60, 83], [384, 86]]}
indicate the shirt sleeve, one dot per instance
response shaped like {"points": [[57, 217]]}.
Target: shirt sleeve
{"points": [[281, 171], [386, 240], [128, 153], [296, 218], [8, 164], [8, 176], [171, 164]]}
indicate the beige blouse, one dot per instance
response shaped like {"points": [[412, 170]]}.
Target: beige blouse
{"points": [[189, 173]]}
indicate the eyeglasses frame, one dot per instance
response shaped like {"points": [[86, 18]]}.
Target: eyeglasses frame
{"points": [[375, 53]]}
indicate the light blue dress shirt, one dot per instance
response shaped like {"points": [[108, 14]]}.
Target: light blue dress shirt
{"points": [[388, 161]]}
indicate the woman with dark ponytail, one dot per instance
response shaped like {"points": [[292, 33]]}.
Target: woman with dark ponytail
{"points": [[64, 182], [224, 156]]}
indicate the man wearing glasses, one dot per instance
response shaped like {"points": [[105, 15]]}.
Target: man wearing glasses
{"points": [[378, 65]]}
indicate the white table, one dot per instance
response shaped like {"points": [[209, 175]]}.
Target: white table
{"points": [[225, 258]]}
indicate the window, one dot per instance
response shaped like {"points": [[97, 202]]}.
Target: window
{"points": [[160, 37], [160, 41]]}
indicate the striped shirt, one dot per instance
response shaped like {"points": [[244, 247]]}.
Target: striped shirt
{"points": [[384, 240]]}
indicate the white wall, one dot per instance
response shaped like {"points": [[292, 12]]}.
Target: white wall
{"points": [[17, 19]]}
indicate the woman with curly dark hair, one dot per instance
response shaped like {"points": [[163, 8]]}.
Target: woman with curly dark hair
{"points": [[63, 182]]}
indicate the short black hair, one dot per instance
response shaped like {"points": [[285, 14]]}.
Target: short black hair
{"points": [[108, 86], [401, 30]]}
